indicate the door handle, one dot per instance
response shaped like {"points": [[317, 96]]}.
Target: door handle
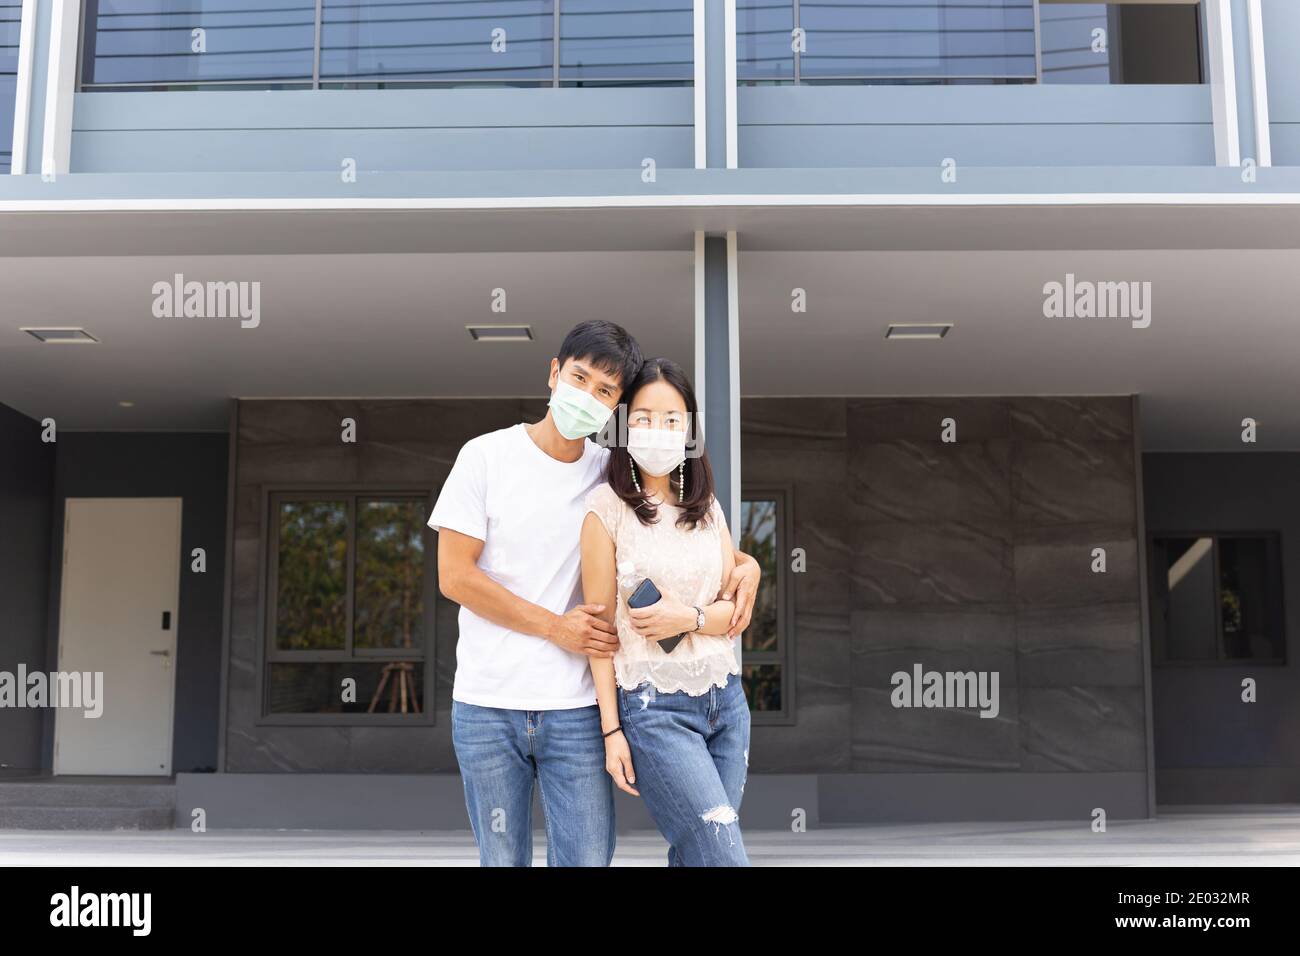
{"points": [[162, 653]]}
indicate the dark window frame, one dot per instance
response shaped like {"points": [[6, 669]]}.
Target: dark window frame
{"points": [[785, 654], [266, 652], [1159, 657]]}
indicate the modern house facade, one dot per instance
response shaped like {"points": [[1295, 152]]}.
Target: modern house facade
{"points": [[989, 303]]}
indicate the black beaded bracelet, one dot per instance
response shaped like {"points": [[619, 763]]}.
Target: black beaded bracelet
{"points": [[614, 731]]}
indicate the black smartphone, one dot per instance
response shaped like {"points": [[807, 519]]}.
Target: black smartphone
{"points": [[646, 594]]}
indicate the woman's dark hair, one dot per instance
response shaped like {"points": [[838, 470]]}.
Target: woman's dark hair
{"points": [[699, 475]]}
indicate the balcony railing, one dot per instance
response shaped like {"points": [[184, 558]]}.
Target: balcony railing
{"points": [[371, 43], [954, 41], [365, 43]]}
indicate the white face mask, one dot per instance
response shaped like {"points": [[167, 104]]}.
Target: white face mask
{"points": [[657, 450]]}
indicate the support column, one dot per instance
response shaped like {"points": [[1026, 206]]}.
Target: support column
{"points": [[60, 86], [715, 328], [717, 343], [47, 77], [1222, 80], [715, 84], [1252, 85]]}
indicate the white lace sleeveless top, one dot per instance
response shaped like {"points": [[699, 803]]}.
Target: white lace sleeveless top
{"points": [[684, 564]]}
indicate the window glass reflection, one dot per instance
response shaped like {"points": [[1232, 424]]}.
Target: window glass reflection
{"points": [[389, 601], [311, 575], [479, 40], [992, 38], [758, 538], [617, 40], [164, 42], [763, 44]]}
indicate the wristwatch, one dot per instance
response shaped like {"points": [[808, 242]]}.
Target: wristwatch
{"points": [[699, 618]]}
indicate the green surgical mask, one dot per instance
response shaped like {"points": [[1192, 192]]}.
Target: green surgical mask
{"points": [[577, 414]]}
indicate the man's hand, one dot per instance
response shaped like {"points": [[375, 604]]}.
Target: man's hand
{"points": [[743, 584], [581, 632]]}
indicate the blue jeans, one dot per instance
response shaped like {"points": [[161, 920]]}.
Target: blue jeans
{"points": [[691, 755], [501, 752]]}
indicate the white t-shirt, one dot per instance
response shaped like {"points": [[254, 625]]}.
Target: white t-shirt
{"points": [[527, 508]]}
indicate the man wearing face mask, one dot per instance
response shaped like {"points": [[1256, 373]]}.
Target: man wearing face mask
{"points": [[509, 518]]}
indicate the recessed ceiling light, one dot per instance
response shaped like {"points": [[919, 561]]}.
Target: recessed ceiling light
{"points": [[500, 333], [60, 335], [127, 404], [918, 330]]}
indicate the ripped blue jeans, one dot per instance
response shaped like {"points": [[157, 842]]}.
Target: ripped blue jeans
{"points": [[690, 756]]}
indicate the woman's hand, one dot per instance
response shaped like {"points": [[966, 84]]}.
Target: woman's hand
{"points": [[618, 763], [665, 618]]}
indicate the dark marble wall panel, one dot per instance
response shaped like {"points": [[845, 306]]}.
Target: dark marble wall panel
{"points": [[970, 555], [1102, 418], [400, 442], [942, 563], [973, 555], [1073, 482], [887, 739], [800, 446], [1082, 728]]}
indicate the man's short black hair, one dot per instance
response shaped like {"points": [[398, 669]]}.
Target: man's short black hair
{"points": [[611, 348]]}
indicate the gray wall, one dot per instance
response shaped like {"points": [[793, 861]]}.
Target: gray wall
{"points": [[973, 555], [1211, 747], [294, 130], [1018, 125], [616, 128], [298, 443], [26, 480], [191, 466]]}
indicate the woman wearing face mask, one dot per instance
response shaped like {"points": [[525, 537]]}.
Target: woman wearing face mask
{"points": [[676, 722]]}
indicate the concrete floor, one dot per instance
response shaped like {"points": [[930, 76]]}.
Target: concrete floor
{"points": [[1245, 836]]}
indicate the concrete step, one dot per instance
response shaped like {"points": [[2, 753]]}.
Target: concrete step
{"points": [[108, 795], [86, 818]]}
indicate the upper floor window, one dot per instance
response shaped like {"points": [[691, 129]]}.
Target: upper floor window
{"points": [[165, 44], [1120, 42], [1217, 598], [967, 41]]}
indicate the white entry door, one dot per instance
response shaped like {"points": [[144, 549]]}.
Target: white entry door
{"points": [[118, 617]]}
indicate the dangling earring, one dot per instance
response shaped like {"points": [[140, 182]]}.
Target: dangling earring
{"points": [[681, 481], [636, 484]]}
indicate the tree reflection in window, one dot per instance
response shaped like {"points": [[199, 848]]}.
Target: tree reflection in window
{"points": [[348, 606], [763, 644], [311, 575], [390, 574]]}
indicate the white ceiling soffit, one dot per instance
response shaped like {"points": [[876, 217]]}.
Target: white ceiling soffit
{"points": [[1219, 346]]}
